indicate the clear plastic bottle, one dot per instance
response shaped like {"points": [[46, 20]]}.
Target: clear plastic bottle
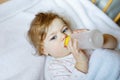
{"points": [[92, 39]]}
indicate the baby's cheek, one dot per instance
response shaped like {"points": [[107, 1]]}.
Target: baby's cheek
{"points": [[57, 48]]}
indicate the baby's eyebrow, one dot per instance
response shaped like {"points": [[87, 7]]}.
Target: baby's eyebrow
{"points": [[56, 31], [52, 34], [63, 26]]}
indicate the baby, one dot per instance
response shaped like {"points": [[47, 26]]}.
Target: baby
{"points": [[47, 33]]}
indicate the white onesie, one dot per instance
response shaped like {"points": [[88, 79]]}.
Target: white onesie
{"points": [[62, 69]]}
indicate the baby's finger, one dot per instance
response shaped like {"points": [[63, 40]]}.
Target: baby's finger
{"points": [[79, 30], [69, 47], [72, 45], [75, 46]]}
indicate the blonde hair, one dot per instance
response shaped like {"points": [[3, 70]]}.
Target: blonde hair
{"points": [[39, 27]]}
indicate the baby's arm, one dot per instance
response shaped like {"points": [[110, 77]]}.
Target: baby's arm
{"points": [[110, 42], [81, 62], [80, 57]]}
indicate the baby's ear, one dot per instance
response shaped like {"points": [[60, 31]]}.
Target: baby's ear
{"points": [[45, 52]]}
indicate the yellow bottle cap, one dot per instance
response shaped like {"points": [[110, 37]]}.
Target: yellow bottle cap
{"points": [[67, 39]]}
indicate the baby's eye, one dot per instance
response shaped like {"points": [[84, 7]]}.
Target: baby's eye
{"points": [[64, 30], [54, 37]]}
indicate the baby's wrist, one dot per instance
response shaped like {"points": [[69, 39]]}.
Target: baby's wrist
{"points": [[83, 67]]}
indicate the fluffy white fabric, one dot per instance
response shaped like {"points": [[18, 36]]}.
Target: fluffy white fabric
{"points": [[104, 65], [16, 59]]}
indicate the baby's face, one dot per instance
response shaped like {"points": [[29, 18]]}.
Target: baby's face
{"points": [[54, 41]]}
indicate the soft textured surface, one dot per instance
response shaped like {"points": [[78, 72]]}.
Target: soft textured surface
{"points": [[104, 65], [16, 59]]}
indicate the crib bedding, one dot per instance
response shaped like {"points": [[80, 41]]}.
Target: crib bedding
{"points": [[16, 59], [12, 7], [16, 54]]}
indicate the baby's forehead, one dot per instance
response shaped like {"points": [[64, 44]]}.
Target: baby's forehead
{"points": [[58, 21], [56, 24]]}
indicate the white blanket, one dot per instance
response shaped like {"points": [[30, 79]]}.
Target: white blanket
{"points": [[16, 59], [104, 65]]}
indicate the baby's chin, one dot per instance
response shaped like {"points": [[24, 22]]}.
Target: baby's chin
{"points": [[62, 56], [68, 54]]}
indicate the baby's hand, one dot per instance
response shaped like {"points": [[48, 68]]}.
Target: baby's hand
{"points": [[80, 57], [110, 42], [82, 62], [77, 31], [80, 30], [73, 43]]}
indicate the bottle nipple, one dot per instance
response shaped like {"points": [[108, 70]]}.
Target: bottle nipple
{"points": [[67, 39]]}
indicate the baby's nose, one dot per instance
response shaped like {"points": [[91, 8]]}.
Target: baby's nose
{"points": [[64, 36]]}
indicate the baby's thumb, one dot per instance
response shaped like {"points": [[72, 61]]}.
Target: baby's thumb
{"points": [[74, 35]]}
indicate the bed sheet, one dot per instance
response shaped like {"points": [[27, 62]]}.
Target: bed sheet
{"points": [[16, 59], [12, 7]]}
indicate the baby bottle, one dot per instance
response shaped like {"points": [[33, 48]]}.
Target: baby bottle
{"points": [[92, 39]]}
